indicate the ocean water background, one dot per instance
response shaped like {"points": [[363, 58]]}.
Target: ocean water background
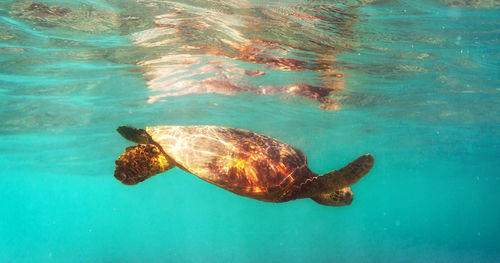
{"points": [[420, 92]]}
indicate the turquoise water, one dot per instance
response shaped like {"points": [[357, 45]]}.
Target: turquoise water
{"points": [[418, 88]]}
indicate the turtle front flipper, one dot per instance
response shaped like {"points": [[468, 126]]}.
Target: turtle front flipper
{"points": [[333, 188], [349, 174]]}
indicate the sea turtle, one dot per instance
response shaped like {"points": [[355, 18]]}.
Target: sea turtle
{"points": [[243, 162]]}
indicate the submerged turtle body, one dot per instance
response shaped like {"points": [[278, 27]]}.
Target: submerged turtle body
{"points": [[241, 161]]}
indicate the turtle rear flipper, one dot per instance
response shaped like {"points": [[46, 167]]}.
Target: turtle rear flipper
{"points": [[140, 162], [134, 134]]}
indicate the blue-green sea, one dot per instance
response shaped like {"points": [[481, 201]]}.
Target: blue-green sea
{"points": [[415, 83]]}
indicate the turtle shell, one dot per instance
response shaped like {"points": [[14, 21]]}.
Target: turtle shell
{"points": [[243, 162]]}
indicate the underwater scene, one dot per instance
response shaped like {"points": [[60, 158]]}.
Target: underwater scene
{"points": [[250, 131]]}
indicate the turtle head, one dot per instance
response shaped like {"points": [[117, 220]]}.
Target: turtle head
{"points": [[341, 197], [134, 134], [140, 162]]}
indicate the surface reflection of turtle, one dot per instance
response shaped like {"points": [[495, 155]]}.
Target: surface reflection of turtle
{"points": [[78, 17], [240, 161], [41, 9]]}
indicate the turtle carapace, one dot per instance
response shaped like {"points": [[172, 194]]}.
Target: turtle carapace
{"points": [[243, 162]]}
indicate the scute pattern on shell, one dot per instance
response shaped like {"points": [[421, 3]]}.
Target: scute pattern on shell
{"points": [[240, 161]]}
